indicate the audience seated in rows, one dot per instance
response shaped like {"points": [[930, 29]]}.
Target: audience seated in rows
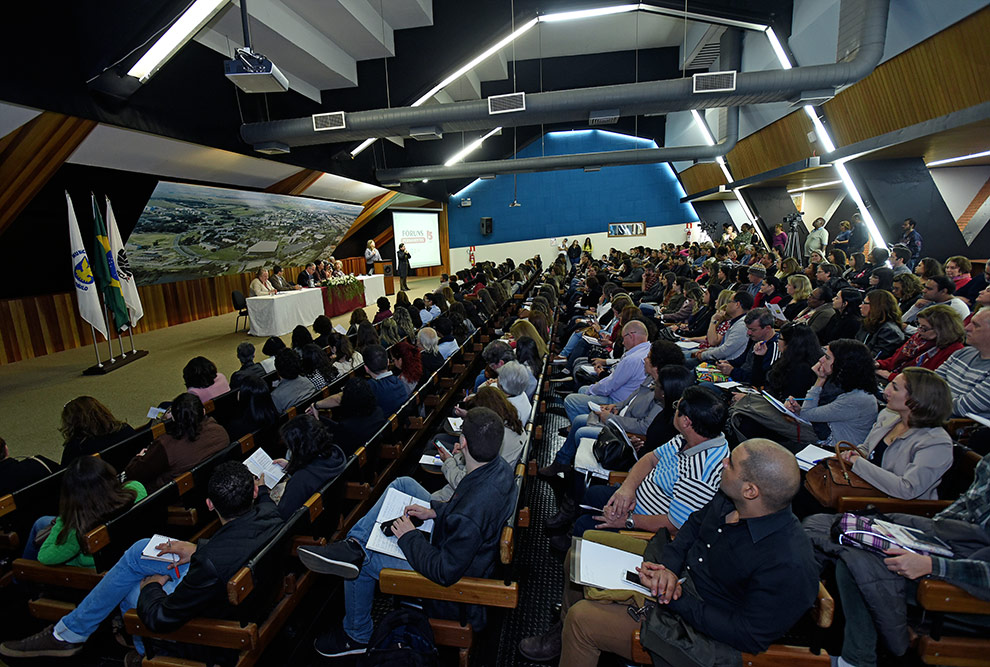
{"points": [[190, 437], [203, 380], [89, 427]]}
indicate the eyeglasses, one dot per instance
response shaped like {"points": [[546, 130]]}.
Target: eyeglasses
{"points": [[925, 327]]}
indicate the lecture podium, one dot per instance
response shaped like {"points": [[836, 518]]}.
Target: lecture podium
{"points": [[385, 269]]}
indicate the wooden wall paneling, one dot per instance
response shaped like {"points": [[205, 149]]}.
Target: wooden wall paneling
{"points": [[947, 72], [295, 184], [780, 143], [371, 208], [702, 176], [30, 156]]}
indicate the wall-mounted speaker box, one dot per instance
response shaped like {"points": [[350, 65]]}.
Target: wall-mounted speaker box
{"points": [[486, 226]]}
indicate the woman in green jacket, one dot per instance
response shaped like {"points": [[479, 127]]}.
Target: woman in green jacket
{"points": [[91, 494]]}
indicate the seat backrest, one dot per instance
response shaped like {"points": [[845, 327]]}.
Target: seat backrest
{"points": [[237, 296], [108, 542]]}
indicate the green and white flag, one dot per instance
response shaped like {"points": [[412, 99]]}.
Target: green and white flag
{"points": [[105, 270], [128, 286], [82, 275]]}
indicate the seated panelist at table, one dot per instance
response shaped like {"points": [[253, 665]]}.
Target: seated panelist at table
{"points": [[308, 277], [261, 286], [279, 282]]}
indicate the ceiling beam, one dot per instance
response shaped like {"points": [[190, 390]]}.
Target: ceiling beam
{"points": [[30, 156], [372, 207], [296, 184]]}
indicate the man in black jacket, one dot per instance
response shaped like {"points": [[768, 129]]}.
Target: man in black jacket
{"points": [[167, 595], [463, 542]]}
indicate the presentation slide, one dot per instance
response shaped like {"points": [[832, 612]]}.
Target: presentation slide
{"points": [[419, 232]]}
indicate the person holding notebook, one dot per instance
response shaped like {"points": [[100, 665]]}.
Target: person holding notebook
{"points": [[463, 542]]}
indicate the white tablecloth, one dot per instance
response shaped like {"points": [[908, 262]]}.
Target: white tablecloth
{"points": [[280, 314], [374, 287]]}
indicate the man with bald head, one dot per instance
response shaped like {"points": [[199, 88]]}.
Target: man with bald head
{"points": [[626, 376], [738, 575]]}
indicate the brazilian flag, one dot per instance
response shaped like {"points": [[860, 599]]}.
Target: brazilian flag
{"points": [[105, 270]]}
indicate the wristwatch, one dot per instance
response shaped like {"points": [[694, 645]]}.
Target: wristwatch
{"points": [[630, 523]]}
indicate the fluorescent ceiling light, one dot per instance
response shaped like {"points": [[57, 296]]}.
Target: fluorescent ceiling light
{"points": [[467, 150], [861, 205], [180, 32], [814, 187], [820, 132], [778, 49], [364, 144], [703, 126], [477, 60], [971, 156], [588, 13]]}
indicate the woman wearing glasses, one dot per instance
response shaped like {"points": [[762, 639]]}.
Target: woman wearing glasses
{"points": [[940, 334]]}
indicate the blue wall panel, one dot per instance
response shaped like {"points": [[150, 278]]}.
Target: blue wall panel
{"points": [[572, 202]]}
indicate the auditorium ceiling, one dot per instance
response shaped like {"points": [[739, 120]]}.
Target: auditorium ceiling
{"points": [[343, 55]]}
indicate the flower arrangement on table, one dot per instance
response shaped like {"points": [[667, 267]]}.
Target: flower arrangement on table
{"points": [[347, 287]]}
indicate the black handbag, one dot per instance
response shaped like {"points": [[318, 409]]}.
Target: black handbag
{"points": [[612, 448]]}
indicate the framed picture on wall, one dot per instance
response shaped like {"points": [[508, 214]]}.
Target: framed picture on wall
{"points": [[627, 229]]}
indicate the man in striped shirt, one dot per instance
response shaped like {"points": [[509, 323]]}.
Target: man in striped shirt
{"points": [[968, 370], [662, 490]]}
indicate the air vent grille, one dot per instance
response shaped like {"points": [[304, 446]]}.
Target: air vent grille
{"points": [[329, 121], [506, 103], [714, 82], [604, 117]]}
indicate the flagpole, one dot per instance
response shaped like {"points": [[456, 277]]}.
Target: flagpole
{"points": [[106, 316], [130, 332], [120, 342], [99, 362]]}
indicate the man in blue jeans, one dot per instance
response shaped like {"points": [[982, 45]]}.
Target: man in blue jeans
{"points": [[463, 543], [626, 376], [167, 595]]}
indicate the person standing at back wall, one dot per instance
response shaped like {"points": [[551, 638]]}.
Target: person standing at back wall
{"points": [[371, 255], [403, 268]]}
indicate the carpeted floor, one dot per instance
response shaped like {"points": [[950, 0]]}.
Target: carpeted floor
{"points": [[34, 391]]}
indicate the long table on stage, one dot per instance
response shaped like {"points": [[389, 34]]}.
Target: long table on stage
{"points": [[279, 314], [374, 287]]}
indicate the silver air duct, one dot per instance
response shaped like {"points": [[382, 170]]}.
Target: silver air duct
{"points": [[574, 105]]}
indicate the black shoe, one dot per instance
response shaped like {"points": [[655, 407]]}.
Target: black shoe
{"points": [[552, 470], [42, 644], [560, 543], [564, 517], [343, 559], [336, 644], [543, 647], [564, 431]]}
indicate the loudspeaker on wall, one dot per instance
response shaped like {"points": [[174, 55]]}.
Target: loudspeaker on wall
{"points": [[486, 226]]}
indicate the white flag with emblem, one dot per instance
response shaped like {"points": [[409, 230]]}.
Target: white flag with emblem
{"points": [[86, 292], [128, 286]]}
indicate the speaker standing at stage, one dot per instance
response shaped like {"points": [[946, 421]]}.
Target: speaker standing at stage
{"points": [[371, 255], [403, 267]]}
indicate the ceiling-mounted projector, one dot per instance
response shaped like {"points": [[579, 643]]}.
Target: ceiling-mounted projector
{"points": [[254, 73]]}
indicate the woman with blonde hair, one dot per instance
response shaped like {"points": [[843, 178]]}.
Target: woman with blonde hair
{"points": [[799, 288], [522, 328], [371, 255], [940, 334], [788, 267], [89, 427], [883, 331]]}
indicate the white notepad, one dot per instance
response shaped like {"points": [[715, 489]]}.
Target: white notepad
{"points": [[150, 551], [810, 455], [605, 567], [260, 463], [394, 506]]}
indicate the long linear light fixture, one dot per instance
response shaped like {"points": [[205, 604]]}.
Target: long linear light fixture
{"points": [[464, 152], [829, 146], [181, 31], [558, 17], [971, 156], [814, 187]]}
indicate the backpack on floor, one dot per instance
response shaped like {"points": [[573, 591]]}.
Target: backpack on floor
{"points": [[403, 638]]}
